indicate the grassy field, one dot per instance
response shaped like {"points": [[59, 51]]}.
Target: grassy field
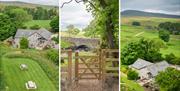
{"points": [[131, 33], [131, 85], [147, 21], [41, 23], [16, 78]]}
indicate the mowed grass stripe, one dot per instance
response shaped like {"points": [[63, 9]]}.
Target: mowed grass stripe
{"points": [[16, 78]]}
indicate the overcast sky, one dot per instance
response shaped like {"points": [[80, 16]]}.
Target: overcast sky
{"points": [[76, 14], [159, 6], [46, 2]]}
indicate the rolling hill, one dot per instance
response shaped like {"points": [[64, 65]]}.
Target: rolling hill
{"points": [[130, 13], [25, 4]]}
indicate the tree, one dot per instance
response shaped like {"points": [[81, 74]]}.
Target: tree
{"points": [[72, 30], [35, 27], [19, 16], [106, 16], [55, 24], [173, 28], [164, 35], [24, 43], [169, 79], [7, 28], [144, 48], [135, 23], [132, 75]]}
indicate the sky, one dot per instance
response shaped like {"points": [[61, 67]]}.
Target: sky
{"points": [[76, 14], [157, 6], [45, 2]]}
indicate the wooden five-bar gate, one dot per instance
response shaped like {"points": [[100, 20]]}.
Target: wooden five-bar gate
{"points": [[104, 63]]}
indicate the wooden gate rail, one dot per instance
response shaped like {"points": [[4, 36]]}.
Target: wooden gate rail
{"points": [[69, 57], [105, 60], [87, 61]]}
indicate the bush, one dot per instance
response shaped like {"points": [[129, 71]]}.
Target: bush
{"points": [[170, 57], [56, 39], [53, 55], [24, 43], [164, 35], [35, 27], [135, 23], [132, 75], [23, 27]]}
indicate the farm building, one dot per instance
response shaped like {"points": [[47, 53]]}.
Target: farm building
{"points": [[148, 70], [38, 39]]}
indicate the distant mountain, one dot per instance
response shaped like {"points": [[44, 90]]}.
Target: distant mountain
{"points": [[130, 13], [25, 4]]}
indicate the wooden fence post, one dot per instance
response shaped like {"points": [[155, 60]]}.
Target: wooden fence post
{"points": [[76, 66], [70, 67]]}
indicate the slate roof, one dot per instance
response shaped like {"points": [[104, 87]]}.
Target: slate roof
{"points": [[26, 33], [157, 67], [140, 63]]}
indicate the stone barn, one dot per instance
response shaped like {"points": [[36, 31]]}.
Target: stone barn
{"points": [[38, 39]]}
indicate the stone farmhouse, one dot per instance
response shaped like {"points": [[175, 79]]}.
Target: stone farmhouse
{"points": [[148, 70], [38, 39]]}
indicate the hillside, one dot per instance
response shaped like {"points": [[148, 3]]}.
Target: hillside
{"points": [[25, 4], [131, 13], [131, 33]]}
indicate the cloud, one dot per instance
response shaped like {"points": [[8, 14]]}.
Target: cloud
{"points": [[76, 14], [158, 6]]}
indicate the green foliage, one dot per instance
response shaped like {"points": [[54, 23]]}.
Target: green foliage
{"points": [[173, 28], [135, 23], [24, 43], [65, 44], [55, 24], [132, 75], [172, 59], [72, 30], [7, 28], [106, 20], [35, 27], [53, 55], [164, 35], [56, 39], [19, 16], [92, 32], [144, 48], [169, 79], [23, 27]]}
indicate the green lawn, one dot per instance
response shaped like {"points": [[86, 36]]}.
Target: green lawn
{"points": [[131, 85], [41, 23], [16, 78]]}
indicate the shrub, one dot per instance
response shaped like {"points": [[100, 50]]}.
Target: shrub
{"points": [[135, 23], [23, 27], [164, 35], [53, 55], [170, 57], [56, 39], [24, 43], [35, 27], [132, 75]]}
